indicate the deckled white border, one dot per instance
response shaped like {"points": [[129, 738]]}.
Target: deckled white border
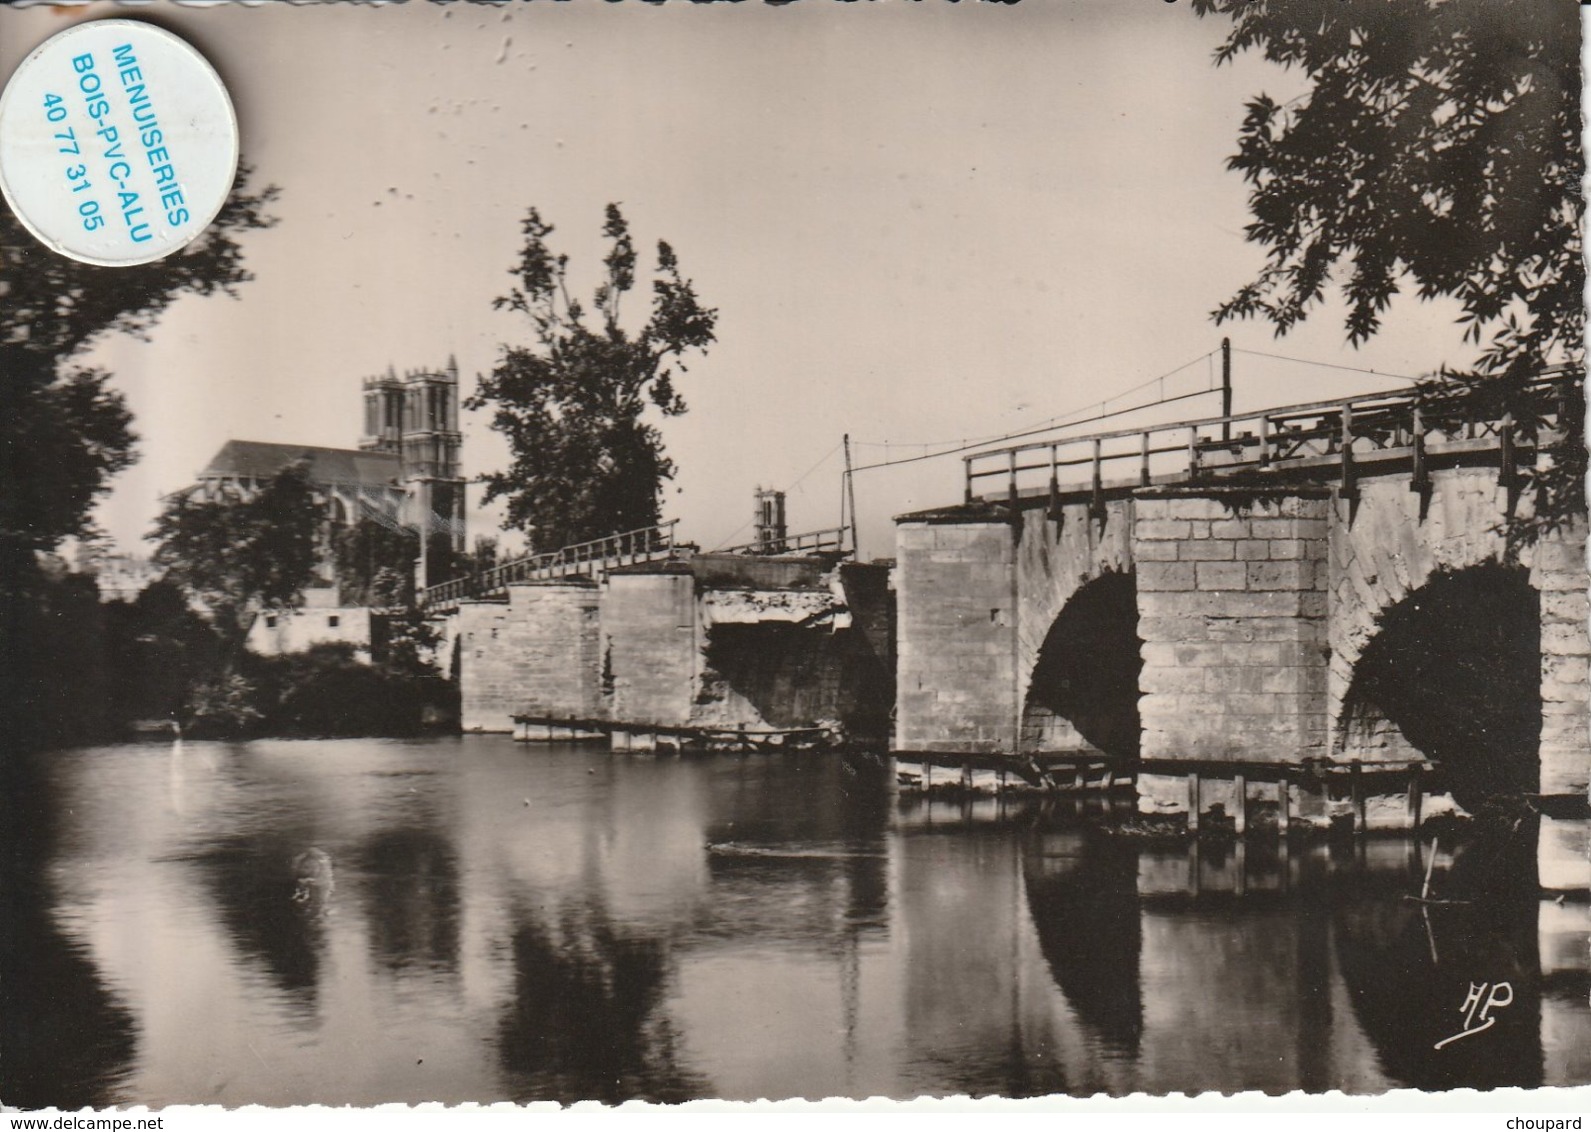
{"points": [[1461, 1109]]}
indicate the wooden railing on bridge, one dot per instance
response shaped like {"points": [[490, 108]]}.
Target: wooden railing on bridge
{"points": [[1323, 438], [591, 559], [831, 540]]}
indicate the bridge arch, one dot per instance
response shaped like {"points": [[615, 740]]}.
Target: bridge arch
{"points": [[1083, 691], [1074, 583], [1438, 572], [1454, 673]]}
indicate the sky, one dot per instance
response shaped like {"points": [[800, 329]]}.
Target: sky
{"points": [[919, 223]]}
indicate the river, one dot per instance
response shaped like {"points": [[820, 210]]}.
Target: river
{"points": [[455, 919]]}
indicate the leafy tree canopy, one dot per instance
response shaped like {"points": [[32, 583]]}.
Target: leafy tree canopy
{"points": [[241, 555], [1438, 145], [585, 460]]}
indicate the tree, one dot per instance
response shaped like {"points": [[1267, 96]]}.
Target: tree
{"points": [[158, 648], [1438, 146], [239, 555], [586, 462], [375, 564]]}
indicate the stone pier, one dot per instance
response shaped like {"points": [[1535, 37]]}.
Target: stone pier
{"points": [[1232, 614]]}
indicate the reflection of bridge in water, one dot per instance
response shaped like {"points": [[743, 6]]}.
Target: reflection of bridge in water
{"points": [[1287, 967]]}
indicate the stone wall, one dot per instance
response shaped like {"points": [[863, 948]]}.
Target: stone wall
{"points": [[1232, 605], [956, 664], [651, 647], [560, 649], [488, 684], [538, 653], [799, 658], [274, 634], [1558, 571]]}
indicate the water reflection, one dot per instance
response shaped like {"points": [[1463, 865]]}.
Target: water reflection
{"points": [[1412, 969], [411, 898], [358, 921], [1083, 893], [67, 1042], [253, 881], [584, 1021]]}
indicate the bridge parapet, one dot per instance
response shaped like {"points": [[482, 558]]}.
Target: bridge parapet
{"points": [[1323, 440]]}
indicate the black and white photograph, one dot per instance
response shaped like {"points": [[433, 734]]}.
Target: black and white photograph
{"points": [[580, 551]]}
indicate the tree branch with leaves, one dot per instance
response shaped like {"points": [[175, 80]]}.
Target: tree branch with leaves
{"points": [[1438, 148]]}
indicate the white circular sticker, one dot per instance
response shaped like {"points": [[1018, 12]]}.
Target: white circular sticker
{"points": [[118, 143]]}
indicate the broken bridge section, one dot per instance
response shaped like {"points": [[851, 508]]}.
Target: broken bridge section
{"points": [[704, 644]]}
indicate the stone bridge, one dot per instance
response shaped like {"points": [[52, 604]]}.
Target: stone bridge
{"points": [[1330, 589]]}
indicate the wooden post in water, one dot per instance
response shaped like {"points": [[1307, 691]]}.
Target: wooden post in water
{"points": [[1096, 505], [1357, 789], [1240, 803], [1193, 802], [1416, 797], [1284, 803], [1508, 459]]}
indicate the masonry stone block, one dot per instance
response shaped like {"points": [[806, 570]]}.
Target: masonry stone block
{"points": [[1222, 575], [1155, 552], [1158, 576], [1572, 670], [1207, 550], [1149, 529], [1570, 605], [1194, 507], [1292, 576], [1561, 639], [1170, 680]]}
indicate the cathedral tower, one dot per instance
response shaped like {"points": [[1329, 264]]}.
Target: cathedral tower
{"points": [[415, 417]]}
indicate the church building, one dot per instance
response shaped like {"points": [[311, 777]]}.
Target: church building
{"points": [[404, 475]]}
